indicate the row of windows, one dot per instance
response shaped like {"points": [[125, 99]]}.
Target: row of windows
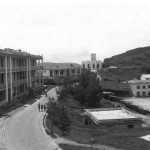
{"points": [[89, 66], [143, 86], [143, 93]]}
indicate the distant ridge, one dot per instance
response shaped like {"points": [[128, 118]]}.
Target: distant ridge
{"points": [[55, 65], [135, 57]]}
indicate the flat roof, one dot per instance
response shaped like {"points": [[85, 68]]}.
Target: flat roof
{"points": [[20, 53], [110, 114], [138, 81], [145, 75], [61, 68]]}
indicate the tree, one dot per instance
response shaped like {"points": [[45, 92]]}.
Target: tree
{"points": [[60, 117], [66, 87], [64, 122], [89, 90], [30, 92]]}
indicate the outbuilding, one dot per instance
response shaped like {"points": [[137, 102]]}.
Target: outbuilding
{"points": [[111, 118]]}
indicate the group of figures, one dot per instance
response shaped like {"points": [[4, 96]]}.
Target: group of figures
{"points": [[42, 107]]}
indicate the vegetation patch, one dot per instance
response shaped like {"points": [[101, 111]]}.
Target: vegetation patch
{"points": [[88, 94]]}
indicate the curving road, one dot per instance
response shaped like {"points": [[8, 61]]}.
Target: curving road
{"points": [[25, 130]]}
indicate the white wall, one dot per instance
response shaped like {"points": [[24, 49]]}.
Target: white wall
{"points": [[91, 64], [145, 77], [141, 90], [46, 73]]}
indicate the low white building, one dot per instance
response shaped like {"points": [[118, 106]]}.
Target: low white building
{"points": [[93, 64], [140, 88], [111, 118], [61, 71], [145, 77]]}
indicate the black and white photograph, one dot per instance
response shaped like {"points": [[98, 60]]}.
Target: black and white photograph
{"points": [[74, 75]]}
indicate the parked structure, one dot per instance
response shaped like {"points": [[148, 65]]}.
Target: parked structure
{"points": [[61, 71], [140, 87], [18, 71], [111, 118], [93, 64]]}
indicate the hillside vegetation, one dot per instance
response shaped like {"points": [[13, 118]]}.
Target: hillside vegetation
{"points": [[135, 57], [115, 79]]}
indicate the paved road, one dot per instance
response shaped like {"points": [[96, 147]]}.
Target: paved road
{"points": [[25, 130]]}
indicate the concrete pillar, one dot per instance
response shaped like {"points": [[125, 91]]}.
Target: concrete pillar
{"points": [[11, 87], [6, 80]]}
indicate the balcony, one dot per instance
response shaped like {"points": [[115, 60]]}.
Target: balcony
{"points": [[19, 68], [18, 82], [2, 69], [2, 87], [35, 78], [35, 68]]}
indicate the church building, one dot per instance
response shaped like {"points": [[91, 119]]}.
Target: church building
{"points": [[93, 65]]}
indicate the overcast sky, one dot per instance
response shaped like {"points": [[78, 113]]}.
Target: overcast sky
{"points": [[69, 30]]}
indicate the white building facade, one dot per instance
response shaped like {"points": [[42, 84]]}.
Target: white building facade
{"points": [[93, 64], [18, 72], [61, 71], [145, 77], [140, 88]]}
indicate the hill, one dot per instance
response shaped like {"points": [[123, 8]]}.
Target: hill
{"points": [[55, 65], [116, 79], [136, 57]]}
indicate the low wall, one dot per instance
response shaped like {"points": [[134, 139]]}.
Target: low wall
{"points": [[135, 108]]}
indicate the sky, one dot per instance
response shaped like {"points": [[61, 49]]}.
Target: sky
{"points": [[70, 30]]}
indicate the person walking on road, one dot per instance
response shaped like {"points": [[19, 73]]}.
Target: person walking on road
{"points": [[39, 106]]}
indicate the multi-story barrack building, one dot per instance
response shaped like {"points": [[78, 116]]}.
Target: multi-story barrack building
{"points": [[19, 70], [61, 71]]}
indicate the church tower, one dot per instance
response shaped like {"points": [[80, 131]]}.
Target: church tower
{"points": [[93, 57]]}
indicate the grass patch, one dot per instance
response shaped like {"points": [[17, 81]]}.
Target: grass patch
{"points": [[128, 139]]}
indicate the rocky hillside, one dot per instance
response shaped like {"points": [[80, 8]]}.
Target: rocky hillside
{"points": [[135, 57]]}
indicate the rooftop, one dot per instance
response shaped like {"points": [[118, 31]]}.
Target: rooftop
{"points": [[8, 51], [110, 115], [145, 76], [138, 81]]}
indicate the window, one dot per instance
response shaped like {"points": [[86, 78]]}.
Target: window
{"points": [[143, 93], [93, 65], [143, 87], [138, 86], [149, 86], [83, 66], [149, 93], [88, 66], [138, 94], [86, 121], [97, 65], [130, 126]]}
